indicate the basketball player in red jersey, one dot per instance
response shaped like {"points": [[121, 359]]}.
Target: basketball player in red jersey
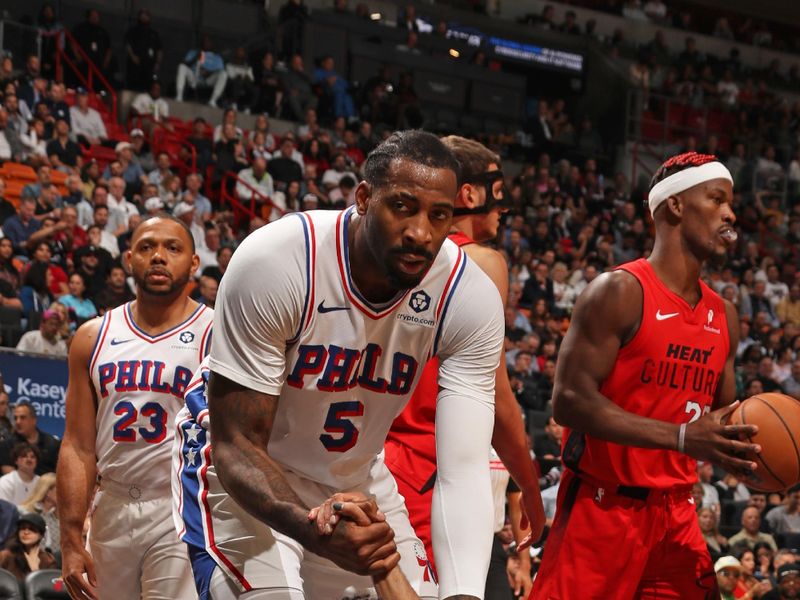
{"points": [[643, 387], [411, 447]]}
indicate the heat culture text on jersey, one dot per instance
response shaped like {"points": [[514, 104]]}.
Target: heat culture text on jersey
{"points": [[683, 368], [346, 368]]}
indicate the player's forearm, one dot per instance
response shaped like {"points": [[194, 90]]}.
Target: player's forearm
{"points": [[394, 586], [510, 443], [259, 486], [588, 411], [76, 474]]}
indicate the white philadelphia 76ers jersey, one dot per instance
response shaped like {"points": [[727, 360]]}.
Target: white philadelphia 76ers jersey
{"points": [[139, 381], [290, 322]]}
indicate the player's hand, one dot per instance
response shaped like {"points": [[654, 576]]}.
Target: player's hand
{"points": [[358, 543], [76, 563], [710, 439], [532, 516], [356, 506], [518, 578]]}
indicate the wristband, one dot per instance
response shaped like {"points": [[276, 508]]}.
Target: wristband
{"points": [[681, 438]]}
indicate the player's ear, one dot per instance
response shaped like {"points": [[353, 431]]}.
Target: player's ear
{"points": [[467, 196], [363, 194], [675, 205], [126, 262]]}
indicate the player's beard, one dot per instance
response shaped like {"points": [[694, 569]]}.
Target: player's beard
{"points": [[176, 285], [399, 279]]}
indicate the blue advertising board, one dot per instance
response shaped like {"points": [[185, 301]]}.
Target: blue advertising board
{"points": [[40, 380]]}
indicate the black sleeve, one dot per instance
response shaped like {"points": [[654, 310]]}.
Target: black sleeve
{"points": [[512, 486]]}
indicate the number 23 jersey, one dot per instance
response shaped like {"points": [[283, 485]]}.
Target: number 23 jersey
{"points": [[290, 323], [139, 381]]}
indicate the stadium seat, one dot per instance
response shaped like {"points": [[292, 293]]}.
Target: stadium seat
{"points": [[9, 586], [45, 585], [12, 170]]}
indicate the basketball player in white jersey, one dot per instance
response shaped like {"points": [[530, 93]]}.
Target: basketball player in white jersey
{"points": [[127, 375], [323, 322]]}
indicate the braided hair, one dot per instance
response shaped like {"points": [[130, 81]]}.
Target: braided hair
{"points": [[679, 162]]}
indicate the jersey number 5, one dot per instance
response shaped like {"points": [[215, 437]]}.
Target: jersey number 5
{"points": [[337, 422], [124, 431]]}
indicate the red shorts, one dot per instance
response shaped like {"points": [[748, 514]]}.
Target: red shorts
{"points": [[607, 543], [405, 465]]}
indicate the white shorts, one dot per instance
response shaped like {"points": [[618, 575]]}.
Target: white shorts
{"points": [[254, 556], [136, 550]]}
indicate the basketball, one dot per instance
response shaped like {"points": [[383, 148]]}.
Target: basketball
{"points": [[778, 420]]}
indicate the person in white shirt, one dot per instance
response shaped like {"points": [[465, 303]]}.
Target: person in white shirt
{"points": [[162, 170], [151, 103], [117, 201], [331, 177], [208, 254], [45, 340], [258, 178], [16, 486], [87, 125], [185, 212]]}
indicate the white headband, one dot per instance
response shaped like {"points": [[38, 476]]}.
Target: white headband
{"points": [[683, 180]]}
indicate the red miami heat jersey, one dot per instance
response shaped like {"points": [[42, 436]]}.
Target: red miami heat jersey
{"points": [[669, 371], [413, 430]]}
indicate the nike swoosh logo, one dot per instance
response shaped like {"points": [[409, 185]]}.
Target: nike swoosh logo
{"points": [[116, 342], [660, 317], [326, 309]]}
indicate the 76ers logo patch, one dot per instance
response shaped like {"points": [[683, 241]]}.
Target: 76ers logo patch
{"points": [[419, 301], [422, 561]]}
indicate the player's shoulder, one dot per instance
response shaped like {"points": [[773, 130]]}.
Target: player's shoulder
{"points": [[617, 296], [85, 338], [618, 285]]}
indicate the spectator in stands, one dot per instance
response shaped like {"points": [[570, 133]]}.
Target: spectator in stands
{"points": [[124, 239], [25, 552], [143, 51], [298, 89], [750, 533], [207, 291], [709, 526], [93, 262], [792, 385], [16, 485], [256, 177], [208, 252], [18, 114], [11, 147], [523, 384], [705, 472], [775, 289], [77, 301], [162, 170], [21, 226], [229, 153], [7, 209], [202, 68], [548, 446], [194, 195], [748, 586], [32, 87], [229, 117], [759, 303], [223, 258], [786, 517], [64, 154], [344, 194], [185, 212], [43, 501], [58, 107], [36, 294], [336, 87], [95, 42], [310, 127], [101, 218], [151, 104], [269, 87], [727, 569], [241, 81], [87, 125], [284, 168], [115, 291], [261, 126], [339, 169], [202, 143]]}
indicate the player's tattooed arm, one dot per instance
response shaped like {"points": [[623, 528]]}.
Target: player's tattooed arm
{"points": [[241, 425]]}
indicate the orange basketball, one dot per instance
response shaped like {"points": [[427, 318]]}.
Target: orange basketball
{"points": [[778, 420]]}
